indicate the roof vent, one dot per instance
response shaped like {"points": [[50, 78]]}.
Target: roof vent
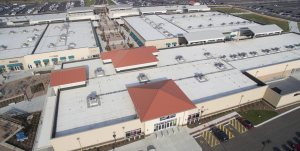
{"points": [[220, 65], [24, 45], [2, 47], [30, 38], [253, 53], [143, 77], [25, 31], [35, 30], [92, 100], [51, 45], [200, 77], [12, 32], [99, 72], [56, 27], [207, 54], [36, 35], [180, 58], [71, 32]]}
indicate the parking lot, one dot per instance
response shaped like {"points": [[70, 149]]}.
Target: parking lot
{"points": [[34, 6], [283, 133]]}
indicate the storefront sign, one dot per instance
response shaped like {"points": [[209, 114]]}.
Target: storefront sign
{"points": [[167, 117], [54, 56], [14, 61]]}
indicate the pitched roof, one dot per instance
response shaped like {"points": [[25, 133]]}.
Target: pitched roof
{"points": [[159, 99], [67, 76], [261, 29], [129, 57], [193, 2]]}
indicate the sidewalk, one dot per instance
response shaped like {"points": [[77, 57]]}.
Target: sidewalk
{"points": [[293, 26], [208, 125]]}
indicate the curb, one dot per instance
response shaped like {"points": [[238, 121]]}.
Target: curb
{"points": [[277, 117]]}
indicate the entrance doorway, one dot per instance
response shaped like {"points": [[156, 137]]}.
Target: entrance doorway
{"points": [[165, 125]]}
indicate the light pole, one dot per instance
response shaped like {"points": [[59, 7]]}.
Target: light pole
{"points": [[284, 70], [115, 140], [265, 143], [79, 143], [256, 74]]}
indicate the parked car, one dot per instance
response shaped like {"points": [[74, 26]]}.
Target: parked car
{"points": [[246, 123], [296, 147], [222, 136]]}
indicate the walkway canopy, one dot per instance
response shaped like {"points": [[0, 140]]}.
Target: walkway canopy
{"points": [[265, 29], [152, 10], [204, 36]]}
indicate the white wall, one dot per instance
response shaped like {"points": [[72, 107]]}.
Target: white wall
{"points": [[136, 66]]}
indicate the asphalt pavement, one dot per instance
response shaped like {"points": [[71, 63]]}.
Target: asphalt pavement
{"points": [[282, 131]]}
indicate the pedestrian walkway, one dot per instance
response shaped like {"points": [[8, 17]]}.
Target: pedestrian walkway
{"points": [[165, 140], [293, 26]]}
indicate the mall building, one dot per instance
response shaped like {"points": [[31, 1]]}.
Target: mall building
{"points": [[29, 47], [142, 91], [163, 31]]}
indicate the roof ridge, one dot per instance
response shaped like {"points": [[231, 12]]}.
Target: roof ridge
{"points": [[151, 102]]}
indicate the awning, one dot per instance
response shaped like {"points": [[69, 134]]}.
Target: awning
{"points": [[203, 36], [232, 35], [70, 57], [168, 44], [265, 29], [62, 58], [37, 61], [120, 22], [14, 65], [174, 43], [46, 60], [2, 66], [54, 59]]}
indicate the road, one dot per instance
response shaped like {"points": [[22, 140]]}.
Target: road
{"points": [[293, 27], [281, 131]]}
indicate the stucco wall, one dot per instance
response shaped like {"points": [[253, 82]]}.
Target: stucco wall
{"points": [[231, 101], [132, 30], [5, 62], [162, 43], [95, 136], [288, 99], [272, 97], [274, 70]]}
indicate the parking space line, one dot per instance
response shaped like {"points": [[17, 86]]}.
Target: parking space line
{"points": [[238, 126], [224, 129], [210, 139]]}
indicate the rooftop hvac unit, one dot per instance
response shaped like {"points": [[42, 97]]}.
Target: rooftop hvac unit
{"points": [[234, 57], [253, 53], [161, 24], [24, 45], [210, 25], [143, 77], [244, 55], [244, 22], [72, 44], [30, 38], [207, 54], [183, 16], [297, 45], [231, 23], [200, 26], [210, 19], [201, 77], [267, 51], [180, 59], [2, 47], [56, 27], [223, 24], [160, 28], [62, 40], [220, 14], [71, 32], [190, 27], [202, 15], [250, 22], [165, 32], [173, 17], [36, 35], [99, 72], [51, 45], [12, 32], [35, 30], [170, 35], [220, 65], [238, 23], [191, 15], [223, 57], [92, 98], [25, 31]]}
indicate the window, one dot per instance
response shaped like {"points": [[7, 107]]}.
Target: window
{"points": [[296, 94], [133, 133]]}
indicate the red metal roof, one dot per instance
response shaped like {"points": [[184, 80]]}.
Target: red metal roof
{"points": [[129, 57], [193, 2], [67, 76], [158, 99]]}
